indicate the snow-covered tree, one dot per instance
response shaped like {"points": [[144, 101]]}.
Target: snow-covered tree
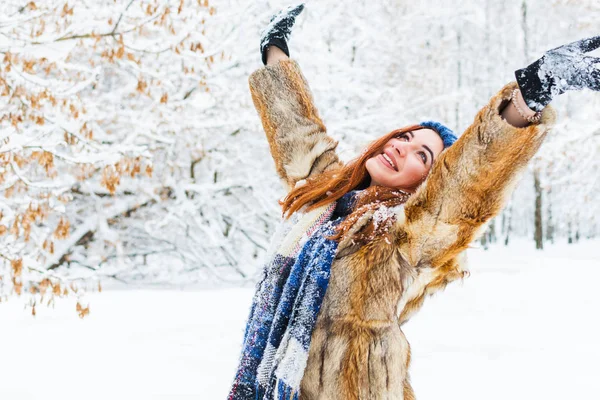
{"points": [[130, 148], [102, 102]]}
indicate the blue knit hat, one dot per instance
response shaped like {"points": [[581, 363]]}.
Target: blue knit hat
{"points": [[445, 133]]}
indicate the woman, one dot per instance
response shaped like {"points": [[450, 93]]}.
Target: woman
{"points": [[362, 244]]}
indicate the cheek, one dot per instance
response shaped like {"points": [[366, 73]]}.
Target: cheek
{"points": [[369, 165], [415, 171]]}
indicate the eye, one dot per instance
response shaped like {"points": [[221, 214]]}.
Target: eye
{"points": [[423, 157], [403, 136]]}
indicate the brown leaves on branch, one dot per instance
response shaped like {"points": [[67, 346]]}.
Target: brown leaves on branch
{"points": [[17, 267], [50, 289], [84, 171], [120, 52], [67, 10], [74, 111], [86, 131], [62, 229], [82, 311], [150, 10], [45, 159], [48, 246], [32, 215], [197, 47], [131, 166], [15, 119], [70, 139], [17, 271], [110, 179], [14, 229], [38, 31], [142, 85], [118, 72]]}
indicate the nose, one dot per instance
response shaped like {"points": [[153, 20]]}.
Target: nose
{"points": [[400, 148]]}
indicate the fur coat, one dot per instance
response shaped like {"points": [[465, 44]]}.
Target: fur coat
{"points": [[358, 349]]}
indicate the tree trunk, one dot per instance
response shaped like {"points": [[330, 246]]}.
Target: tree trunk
{"points": [[549, 221], [538, 231], [508, 225], [538, 235]]}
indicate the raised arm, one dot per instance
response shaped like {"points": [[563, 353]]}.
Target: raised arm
{"points": [[296, 134], [472, 179], [470, 183]]}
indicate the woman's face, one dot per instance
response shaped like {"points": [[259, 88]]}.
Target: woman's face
{"points": [[411, 155]]}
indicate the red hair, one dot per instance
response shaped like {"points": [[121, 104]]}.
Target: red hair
{"points": [[333, 184]]}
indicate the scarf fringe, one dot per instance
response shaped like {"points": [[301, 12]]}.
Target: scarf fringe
{"points": [[282, 392], [285, 392]]}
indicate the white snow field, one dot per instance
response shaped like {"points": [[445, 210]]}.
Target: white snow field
{"points": [[524, 325]]}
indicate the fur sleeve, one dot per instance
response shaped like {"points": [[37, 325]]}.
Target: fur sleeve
{"points": [[469, 183], [297, 137]]}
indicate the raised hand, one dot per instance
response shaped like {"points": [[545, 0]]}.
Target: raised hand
{"points": [[278, 30], [560, 69]]}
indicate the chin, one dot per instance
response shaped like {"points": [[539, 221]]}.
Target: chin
{"points": [[378, 175]]}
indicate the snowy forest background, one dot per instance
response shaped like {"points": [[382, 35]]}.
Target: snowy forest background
{"points": [[130, 150]]}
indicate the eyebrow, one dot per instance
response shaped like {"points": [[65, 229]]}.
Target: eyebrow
{"points": [[426, 148], [430, 152]]}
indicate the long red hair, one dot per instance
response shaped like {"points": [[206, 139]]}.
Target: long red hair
{"points": [[331, 185]]}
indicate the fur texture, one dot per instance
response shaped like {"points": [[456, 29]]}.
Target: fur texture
{"points": [[358, 350], [296, 134]]}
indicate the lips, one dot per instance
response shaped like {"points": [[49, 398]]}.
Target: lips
{"points": [[392, 157], [385, 162]]}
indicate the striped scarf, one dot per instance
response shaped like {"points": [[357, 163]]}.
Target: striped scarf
{"points": [[286, 304]]}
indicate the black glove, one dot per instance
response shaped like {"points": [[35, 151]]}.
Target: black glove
{"points": [[560, 69], [278, 30]]}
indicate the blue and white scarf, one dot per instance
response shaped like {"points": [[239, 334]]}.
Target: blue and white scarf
{"points": [[286, 304]]}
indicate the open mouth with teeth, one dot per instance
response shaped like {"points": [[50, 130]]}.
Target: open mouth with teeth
{"points": [[387, 161]]}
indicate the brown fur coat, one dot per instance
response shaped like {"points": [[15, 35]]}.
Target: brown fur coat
{"points": [[358, 349]]}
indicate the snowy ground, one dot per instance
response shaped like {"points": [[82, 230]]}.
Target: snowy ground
{"points": [[523, 326]]}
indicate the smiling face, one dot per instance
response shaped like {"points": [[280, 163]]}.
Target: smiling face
{"points": [[405, 159]]}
